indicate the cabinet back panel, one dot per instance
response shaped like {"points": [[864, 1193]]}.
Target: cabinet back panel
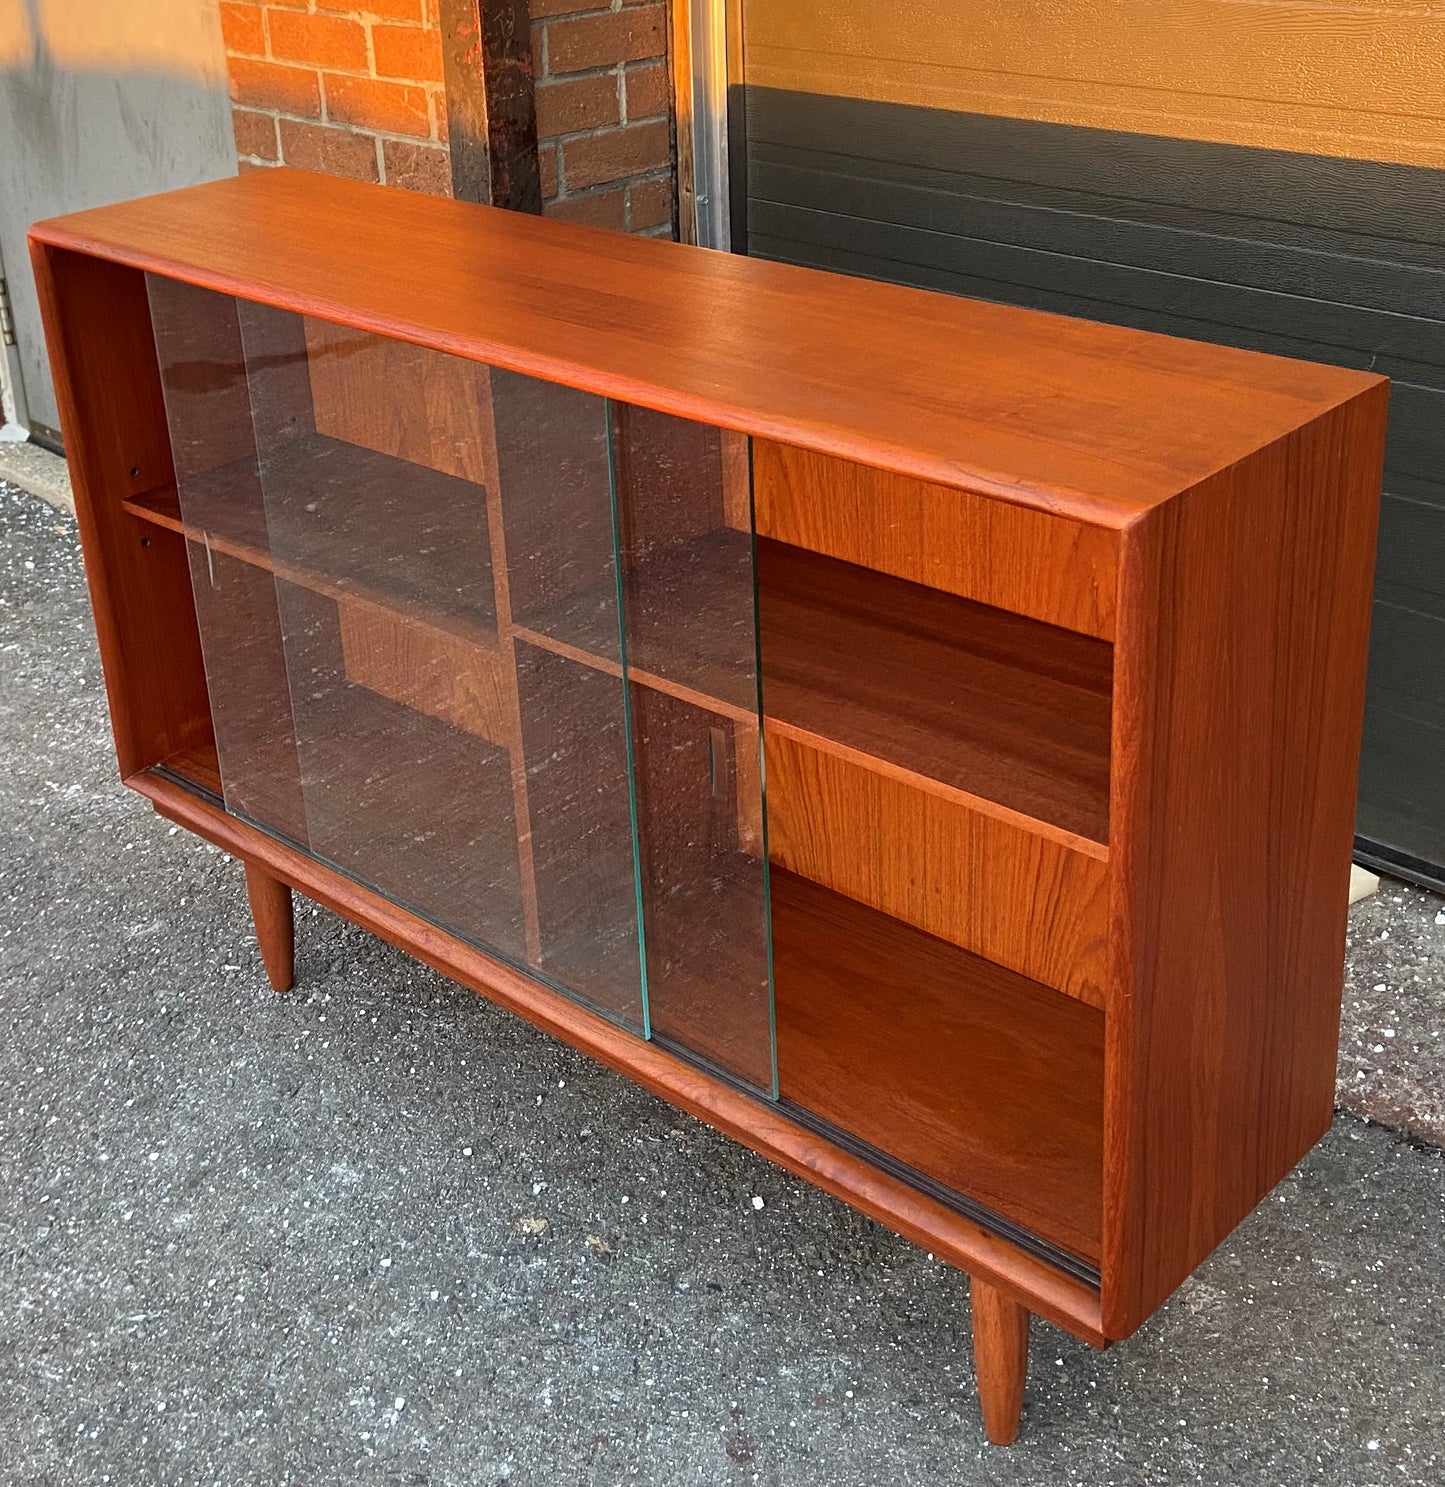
{"points": [[1048, 567], [994, 888]]}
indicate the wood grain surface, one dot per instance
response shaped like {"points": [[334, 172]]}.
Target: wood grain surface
{"points": [[401, 400], [1000, 1359], [430, 670], [97, 319], [977, 1077], [999, 889], [1052, 569], [1061, 415], [1242, 640], [274, 921], [1013, 712]]}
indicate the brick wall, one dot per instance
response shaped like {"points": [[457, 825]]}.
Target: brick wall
{"points": [[354, 88], [348, 87], [604, 120]]}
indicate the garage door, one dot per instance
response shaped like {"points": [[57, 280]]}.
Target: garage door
{"points": [[1269, 175]]}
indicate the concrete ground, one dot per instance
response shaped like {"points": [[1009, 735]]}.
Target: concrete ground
{"points": [[380, 1232]]}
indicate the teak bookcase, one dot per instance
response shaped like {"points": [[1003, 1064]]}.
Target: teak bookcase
{"points": [[468, 572]]}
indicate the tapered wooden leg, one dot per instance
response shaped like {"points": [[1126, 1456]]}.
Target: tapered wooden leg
{"points": [[1000, 1359], [275, 927]]}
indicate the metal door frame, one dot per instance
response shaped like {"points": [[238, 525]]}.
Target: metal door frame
{"points": [[14, 414], [706, 68]]}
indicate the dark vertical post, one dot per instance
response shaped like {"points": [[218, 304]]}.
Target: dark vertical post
{"points": [[491, 103]]}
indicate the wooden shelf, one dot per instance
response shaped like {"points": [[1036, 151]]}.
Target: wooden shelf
{"points": [[976, 1077], [690, 629], [1006, 709], [350, 523], [1003, 709]]}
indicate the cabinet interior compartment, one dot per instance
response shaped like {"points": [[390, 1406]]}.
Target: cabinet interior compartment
{"points": [[938, 777], [1007, 709], [412, 803], [704, 882], [329, 487], [341, 461], [987, 1084]]}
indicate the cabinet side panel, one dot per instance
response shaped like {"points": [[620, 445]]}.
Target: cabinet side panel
{"points": [[98, 331], [1238, 699]]}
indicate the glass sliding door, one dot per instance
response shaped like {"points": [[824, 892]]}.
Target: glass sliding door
{"points": [[690, 627], [487, 645]]}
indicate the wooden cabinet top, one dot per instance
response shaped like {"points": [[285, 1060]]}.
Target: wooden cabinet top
{"points": [[1091, 421]]}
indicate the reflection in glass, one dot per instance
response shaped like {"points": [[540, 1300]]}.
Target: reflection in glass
{"points": [[690, 625], [219, 501], [554, 480], [488, 645]]}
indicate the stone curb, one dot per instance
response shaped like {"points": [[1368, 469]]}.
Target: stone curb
{"points": [[38, 471]]}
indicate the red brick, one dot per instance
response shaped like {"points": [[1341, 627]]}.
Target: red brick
{"points": [[409, 52], [606, 39], [241, 28], [417, 167], [649, 204], [649, 94], [539, 50], [615, 155], [439, 106], [324, 41], [547, 168], [245, 167], [393, 108], [294, 90], [391, 10], [334, 152], [575, 104], [255, 134], [597, 208]]}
